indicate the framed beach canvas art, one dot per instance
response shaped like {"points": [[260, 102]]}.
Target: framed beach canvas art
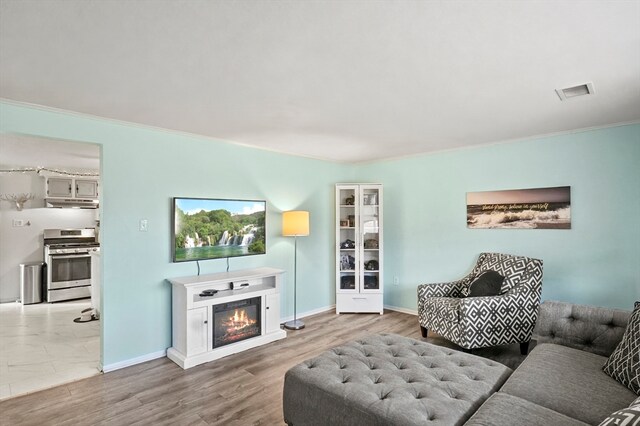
{"points": [[538, 208]]}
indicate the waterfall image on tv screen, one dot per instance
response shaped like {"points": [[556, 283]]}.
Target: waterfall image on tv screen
{"points": [[215, 228]]}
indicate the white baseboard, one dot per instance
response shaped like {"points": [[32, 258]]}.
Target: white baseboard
{"points": [[308, 313], [160, 354], [134, 361], [333, 307], [403, 310]]}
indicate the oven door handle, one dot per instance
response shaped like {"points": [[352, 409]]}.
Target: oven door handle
{"points": [[69, 256]]}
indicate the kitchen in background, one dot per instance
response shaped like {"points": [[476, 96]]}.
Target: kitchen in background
{"points": [[41, 344], [23, 232]]}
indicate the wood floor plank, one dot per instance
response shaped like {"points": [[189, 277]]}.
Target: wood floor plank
{"points": [[47, 399], [96, 412], [241, 389]]}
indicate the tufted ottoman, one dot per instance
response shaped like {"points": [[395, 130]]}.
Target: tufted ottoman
{"points": [[389, 380]]}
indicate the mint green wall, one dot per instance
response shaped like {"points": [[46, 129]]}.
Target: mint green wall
{"points": [[597, 262], [426, 239], [141, 170]]}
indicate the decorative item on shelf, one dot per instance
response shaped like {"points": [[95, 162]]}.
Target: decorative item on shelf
{"points": [[344, 223], [371, 243], [371, 265], [348, 282], [347, 244], [347, 262], [370, 199], [295, 224], [370, 282], [350, 201], [18, 199], [352, 220]]}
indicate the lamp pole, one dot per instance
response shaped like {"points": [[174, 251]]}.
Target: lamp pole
{"points": [[295, 224], [296, 324]]}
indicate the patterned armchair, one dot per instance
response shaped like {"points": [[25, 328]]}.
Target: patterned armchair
{"points": [[477, 322]]}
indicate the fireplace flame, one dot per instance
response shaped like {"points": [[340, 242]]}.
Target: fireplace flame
{"points": [[240, 320], [236, 323]]}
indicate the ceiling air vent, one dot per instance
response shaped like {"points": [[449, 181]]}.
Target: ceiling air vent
{"points": [[572, 92]]}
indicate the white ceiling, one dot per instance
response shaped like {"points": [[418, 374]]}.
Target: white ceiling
{"points": [[350, 80]]}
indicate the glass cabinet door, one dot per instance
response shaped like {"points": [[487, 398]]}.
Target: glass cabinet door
{"points": [[348, 238], [370, 231]]}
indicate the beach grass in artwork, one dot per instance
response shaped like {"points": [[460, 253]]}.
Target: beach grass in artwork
{"points": [[538, 208]]}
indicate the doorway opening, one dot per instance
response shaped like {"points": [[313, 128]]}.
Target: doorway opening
{"points": [[41, 345]]}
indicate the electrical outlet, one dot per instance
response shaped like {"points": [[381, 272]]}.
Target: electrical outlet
{"points": [[396, 281], [144, 225], [18, 222]]}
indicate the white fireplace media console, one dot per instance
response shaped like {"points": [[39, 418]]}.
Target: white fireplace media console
{"points": [[193, 315]]}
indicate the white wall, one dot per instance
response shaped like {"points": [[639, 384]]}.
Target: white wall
{"points": [[24, 244]]}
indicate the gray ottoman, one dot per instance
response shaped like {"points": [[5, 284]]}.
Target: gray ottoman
{"points": [[389, 380]]}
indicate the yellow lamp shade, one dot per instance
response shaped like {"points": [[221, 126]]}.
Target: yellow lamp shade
{"points": [[295, 223]]}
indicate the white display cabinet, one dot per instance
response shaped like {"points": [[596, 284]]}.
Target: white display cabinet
{"points": [[359, 248]]}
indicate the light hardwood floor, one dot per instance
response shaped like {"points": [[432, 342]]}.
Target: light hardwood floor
{"points": [[242, 389]]}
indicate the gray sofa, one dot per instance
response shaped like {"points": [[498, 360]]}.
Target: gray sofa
{"points": [[561, 382], [393, 380]]}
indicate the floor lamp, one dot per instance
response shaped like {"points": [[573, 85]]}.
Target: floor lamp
{"points": [[295, 224]]}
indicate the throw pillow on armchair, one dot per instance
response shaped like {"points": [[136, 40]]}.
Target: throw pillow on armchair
{"points": [[488, 283]]}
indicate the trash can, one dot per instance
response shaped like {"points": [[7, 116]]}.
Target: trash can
{"points": [[31, 283]]}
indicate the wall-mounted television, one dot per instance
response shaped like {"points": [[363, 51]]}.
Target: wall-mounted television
{"points": [[208, 228]]}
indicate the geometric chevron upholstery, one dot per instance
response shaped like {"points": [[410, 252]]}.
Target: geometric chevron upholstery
{"points": [[477, 322]]}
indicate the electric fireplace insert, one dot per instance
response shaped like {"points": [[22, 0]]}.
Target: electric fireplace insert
{"points": [[236, 321]]}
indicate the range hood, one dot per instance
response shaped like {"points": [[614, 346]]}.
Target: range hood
{"points": [[71, 203]]}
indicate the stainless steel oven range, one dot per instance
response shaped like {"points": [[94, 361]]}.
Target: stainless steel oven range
{"points": [[68, 263]]}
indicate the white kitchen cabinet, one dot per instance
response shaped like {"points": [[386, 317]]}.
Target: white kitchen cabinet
{"points": [[69, 188], [59, 187], [87, 188], [359, 248]]}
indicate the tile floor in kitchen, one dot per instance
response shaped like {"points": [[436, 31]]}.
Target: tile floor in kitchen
{"points": [[41, 346]]}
